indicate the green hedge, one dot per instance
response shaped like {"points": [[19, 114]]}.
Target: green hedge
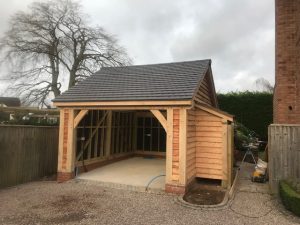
{"points": [[252, 109], [290, 198]]}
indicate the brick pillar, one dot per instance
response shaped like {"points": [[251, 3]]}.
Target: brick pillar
{"points": [[287, 82], [66, 149], [176, 180]]}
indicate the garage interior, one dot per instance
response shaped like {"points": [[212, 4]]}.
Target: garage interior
{"points": [[127, 147]]}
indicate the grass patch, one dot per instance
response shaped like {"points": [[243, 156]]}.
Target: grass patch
{"points": [[290, 198]]}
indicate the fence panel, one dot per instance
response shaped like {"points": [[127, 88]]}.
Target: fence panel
{"points": [[284, 153], [27, 153]]}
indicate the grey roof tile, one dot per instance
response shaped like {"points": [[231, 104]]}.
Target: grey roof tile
{"points": [[167, 81]]}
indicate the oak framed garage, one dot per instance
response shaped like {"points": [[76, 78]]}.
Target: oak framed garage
{"points": [[180, 100]]}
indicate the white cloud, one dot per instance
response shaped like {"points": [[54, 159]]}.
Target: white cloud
{"points": [[237, 35]]}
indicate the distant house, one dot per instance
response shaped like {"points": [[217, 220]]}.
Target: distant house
{"points": [[165, 110], [11, 111], [9, 102]]}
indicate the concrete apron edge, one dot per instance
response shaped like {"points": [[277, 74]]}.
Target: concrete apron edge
{"points": [[229, 196], [120, 186]]}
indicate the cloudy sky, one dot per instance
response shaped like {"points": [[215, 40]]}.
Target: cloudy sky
{"points": [[237, 35]]}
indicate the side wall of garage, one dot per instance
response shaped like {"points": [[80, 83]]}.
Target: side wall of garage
{"points": [[209, 146]]}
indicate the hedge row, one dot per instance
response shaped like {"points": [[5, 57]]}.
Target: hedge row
{"points": [[290, 198], [252, 109]]}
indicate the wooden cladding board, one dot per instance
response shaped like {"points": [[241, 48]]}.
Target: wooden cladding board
{"points": [[204, 94], [205, 145]]}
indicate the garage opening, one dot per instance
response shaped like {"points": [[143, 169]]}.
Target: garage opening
{"points": [[121, 147], [151, 136]]}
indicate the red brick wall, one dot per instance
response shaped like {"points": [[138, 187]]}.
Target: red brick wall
{"points": [[64, 176], [287, 85]]}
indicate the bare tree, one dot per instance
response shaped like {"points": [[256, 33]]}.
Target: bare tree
{"points": [[53, 43], [264, 85]]}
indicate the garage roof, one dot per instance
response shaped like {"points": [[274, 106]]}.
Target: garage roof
{"points": [[167, 81]]}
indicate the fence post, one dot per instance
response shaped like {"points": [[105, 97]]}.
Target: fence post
{"points": [[283, 152]]}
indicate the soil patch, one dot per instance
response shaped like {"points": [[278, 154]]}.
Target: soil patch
{"points": [[204, 197], [204, 193]]}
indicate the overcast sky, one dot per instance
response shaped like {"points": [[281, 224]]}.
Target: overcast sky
{"points": [[237, 35]]}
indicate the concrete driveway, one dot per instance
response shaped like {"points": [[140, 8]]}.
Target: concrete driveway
{"points": [[85, 202]]}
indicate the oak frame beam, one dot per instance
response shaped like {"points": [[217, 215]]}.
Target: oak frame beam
{"points": [[215, 112], [224, 154], [79, 117], [108, 136], [161, 118], [182, 146], [169, 148]]}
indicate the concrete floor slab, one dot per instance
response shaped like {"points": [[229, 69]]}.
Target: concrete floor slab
{"points": [[137, 171]]}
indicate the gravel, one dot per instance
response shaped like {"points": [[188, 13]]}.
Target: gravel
{"points": [[82, 202]]}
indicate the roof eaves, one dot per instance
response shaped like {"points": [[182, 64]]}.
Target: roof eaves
{"points": [[127, 103]]}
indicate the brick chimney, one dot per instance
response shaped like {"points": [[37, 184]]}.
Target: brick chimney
{"points": [[287, 78]]}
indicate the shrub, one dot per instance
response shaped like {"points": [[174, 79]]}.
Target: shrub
{"points": [[290, 198], [242, 136], [252, 109], [240, 140]]}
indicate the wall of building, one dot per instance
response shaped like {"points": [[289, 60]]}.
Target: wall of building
{"points": [[196, 144], [209, 146], [287, 84]]}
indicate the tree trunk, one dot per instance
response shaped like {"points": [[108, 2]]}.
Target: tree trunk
{"points": [[55, 89], [72, 80], [55, 73]]}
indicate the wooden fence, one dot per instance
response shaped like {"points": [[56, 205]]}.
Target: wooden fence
{"points": [[284, 153], [27, 153]]}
